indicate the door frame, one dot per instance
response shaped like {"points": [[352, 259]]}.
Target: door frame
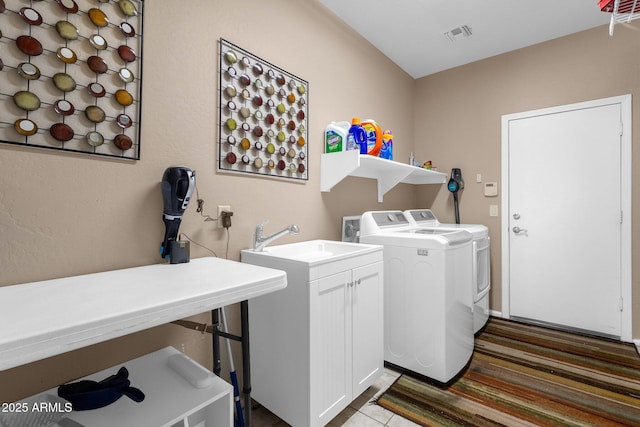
{"points": [[625, 197]]}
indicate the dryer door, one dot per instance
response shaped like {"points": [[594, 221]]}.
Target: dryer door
{"points": [[481, 268]]}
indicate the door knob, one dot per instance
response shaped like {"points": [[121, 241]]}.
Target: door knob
{"points": [[518, 230]]}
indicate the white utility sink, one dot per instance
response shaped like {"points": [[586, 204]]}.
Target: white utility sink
{"points": [[314, 251], [318, 343]]}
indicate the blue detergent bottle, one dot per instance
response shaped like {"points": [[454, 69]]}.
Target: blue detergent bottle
{"points": [[387, 145], [357, 137]]}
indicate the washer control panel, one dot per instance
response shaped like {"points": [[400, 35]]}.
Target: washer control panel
{"points": [[390, 219]]}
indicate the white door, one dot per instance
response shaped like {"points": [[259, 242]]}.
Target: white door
{"points": [[564, 217]]}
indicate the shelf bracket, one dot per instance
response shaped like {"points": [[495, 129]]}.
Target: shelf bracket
{"points": [[390, 179]]}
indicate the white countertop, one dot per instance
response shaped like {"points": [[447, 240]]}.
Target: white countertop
{"points": [[42, 319]]}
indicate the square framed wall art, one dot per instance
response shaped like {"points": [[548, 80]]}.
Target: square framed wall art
{"points": [[263, 117], [71, 75]]}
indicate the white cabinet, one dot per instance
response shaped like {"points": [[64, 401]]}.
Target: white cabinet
{"points": [[170, 399], [318, 344], [368, 342], [345, 339]]}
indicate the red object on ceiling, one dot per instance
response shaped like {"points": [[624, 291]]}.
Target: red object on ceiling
{"points": [[626, 6]]}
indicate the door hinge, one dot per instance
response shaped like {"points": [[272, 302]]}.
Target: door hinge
{"points": [[621, 129], [621, 304], [621, 216]]}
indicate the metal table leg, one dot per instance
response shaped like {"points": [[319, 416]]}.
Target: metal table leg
{"points": [[215, 337], [246, 365]]}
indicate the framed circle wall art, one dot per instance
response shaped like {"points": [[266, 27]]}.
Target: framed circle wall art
{"points": [[71, 75], [263, 127]]}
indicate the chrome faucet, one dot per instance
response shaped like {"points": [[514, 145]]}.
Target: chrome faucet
{"points": [[259, 241]]}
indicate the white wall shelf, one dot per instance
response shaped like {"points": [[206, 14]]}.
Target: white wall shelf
{"points": [[43, 319], [622, 11], [334, 167]]}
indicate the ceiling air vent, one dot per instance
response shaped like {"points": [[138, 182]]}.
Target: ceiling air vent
{"points": [[458, 33]]}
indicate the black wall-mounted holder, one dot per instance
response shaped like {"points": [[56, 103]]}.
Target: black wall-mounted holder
{"points": [[456, 183], [177, 187]]}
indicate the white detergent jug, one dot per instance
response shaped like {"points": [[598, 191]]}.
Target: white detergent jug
{"points": [[335, 137]]}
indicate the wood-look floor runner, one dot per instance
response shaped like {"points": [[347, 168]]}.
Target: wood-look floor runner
{"points": [[523, 375]]}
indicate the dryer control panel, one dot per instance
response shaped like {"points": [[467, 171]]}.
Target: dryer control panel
{"points": [[423, 216]]}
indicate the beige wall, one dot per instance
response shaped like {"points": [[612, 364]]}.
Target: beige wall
{"points": [[458, 118], [65, 214]]}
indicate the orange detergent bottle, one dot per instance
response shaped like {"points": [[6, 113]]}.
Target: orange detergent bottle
{"points": [[374, 137]]}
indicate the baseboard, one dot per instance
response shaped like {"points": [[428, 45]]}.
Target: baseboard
{"points": [[499, 314], [496, 313]]}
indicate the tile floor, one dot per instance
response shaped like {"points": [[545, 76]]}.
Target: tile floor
{"points": [[362, 412]]}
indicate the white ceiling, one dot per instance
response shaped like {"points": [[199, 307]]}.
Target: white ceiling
{"points": [[411, 32]]}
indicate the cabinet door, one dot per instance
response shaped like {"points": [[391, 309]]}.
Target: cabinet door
{"points": [[368, 326], [330, 345]]}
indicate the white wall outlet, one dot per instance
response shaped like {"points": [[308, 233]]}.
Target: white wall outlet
{"points": [[222, 208], [493, 210]]}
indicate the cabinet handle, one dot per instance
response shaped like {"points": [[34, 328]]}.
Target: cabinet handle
{"points": [[358, 281]]}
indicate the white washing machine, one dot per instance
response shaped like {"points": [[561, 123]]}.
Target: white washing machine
{"points": [[428, 319], [481, 259]]}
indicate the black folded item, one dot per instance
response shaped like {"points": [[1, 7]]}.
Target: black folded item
{"points": [[87, 394]]}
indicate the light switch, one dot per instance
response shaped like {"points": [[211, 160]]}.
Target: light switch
{"points": [[479, 177], [493, 210]]}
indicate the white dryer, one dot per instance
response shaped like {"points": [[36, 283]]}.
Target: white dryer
{"points": [[428, 320], [481, 259]]}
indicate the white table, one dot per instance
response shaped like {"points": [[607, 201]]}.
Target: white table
{"points": [[43, 319]]}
